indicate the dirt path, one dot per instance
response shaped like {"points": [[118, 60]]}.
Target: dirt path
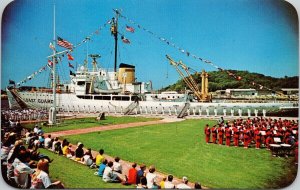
{"points": [[107, 127]]}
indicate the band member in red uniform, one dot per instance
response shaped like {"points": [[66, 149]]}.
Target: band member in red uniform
{"points": [[247, 138], [236, 135], [228, 135], [214, 134], [269, 140], [220, 134], [207, 133], [257, 139]]}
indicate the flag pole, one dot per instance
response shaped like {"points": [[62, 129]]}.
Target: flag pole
{"points": [[54, 71]]}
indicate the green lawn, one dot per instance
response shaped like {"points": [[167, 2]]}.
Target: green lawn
{"points": [[180, 149], [75, 175], [70, 124]]}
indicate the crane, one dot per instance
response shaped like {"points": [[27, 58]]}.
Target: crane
{"points": [[188, 79]]}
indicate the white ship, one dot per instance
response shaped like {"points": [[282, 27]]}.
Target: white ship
{"points": [[117, 91]]}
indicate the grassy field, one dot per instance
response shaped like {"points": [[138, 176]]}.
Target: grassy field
{"points": [[180, 149], [70, 124], [75, 175]]}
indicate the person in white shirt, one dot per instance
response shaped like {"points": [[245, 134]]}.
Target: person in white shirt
{"points": [[35, 129], [40, 179], [53, 144], [169, 184], [117, 167], [151, 178], [184, 183], [109, 175], [47, 141]]}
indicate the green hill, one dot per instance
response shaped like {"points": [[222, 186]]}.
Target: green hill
{"points": [[219, 80]]}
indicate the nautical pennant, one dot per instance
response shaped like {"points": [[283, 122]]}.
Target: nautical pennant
{"points": [[71, 73], [51, 46], [125, 40], [50, 63], [12, 82], [70, 57], [129, 29], [70, 65]]}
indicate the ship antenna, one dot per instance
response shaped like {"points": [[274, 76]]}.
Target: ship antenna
{"points": [[114, 31]]}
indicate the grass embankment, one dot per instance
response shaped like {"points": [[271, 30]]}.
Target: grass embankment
{"points": [[75, 175], [180, 149], [81, 123]]}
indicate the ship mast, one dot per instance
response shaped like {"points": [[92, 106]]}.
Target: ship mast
{"points": [[114, 31]]}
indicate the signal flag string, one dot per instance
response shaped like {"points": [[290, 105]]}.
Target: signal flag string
{"points": [[189, 54]]}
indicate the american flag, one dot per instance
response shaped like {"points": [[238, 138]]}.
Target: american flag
{"points": [[64, 43]]}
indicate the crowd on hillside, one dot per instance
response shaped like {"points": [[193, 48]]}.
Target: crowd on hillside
{"points": [[24, 167], [260, 132]]}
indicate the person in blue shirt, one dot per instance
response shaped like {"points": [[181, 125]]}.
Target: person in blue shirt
{"points": [[141, 173], [102, 167]]}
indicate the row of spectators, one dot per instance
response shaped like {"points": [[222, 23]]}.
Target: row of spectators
{"points": [[24, 167], [111, 171]]}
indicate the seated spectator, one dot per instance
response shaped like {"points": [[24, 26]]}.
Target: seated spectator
{"points": [[36, 128], [162, 183], [27, 139], [40, 179], [47, 142], [13, 154], [63, 143], [66, 150], [102, 167], [142, 184], [40, 131], [89, 152], [151, 178], [110, 176], [32, 141], [197, 186], [36, 142], [141, 173], [42, 141], [100, 157], [117, 167], [54, 143], [169, 184], [79, 153], [22, 171], [132, 174], [184, 183], [87, 159], [57, 148]]}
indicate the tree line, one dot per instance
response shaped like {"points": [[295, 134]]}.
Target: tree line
{"points": [[219, 80]]}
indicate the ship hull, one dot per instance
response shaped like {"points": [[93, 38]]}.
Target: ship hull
{"points": [[69, 102]]}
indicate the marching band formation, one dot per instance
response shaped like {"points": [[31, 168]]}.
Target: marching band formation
{"points": [[273, 134], [23, 115]]}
